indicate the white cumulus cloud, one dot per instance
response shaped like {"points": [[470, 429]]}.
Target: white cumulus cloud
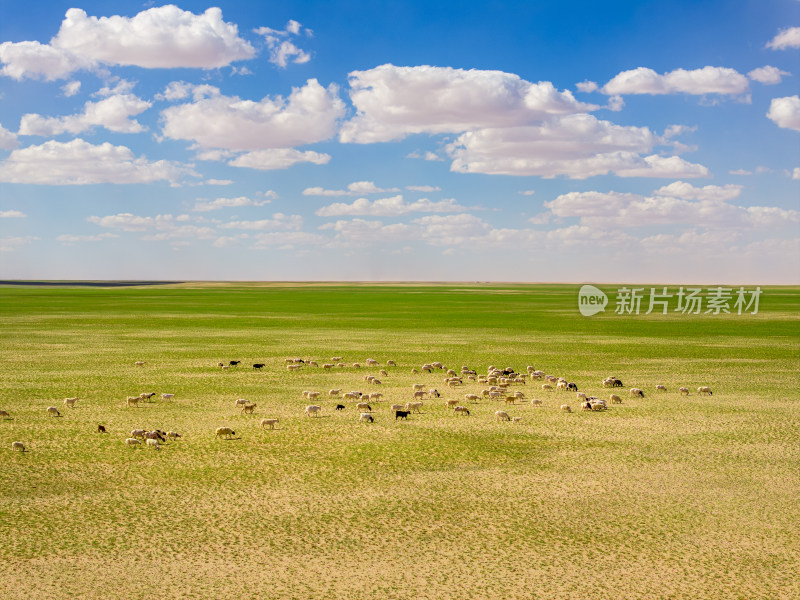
{"points": [[310, 114], [114, 113], [12, 214], [577, 146], [785, 112], [388, 207], [786, 38], [278, 158], [8, 139], [220, 203], [767, 75], [160, 37], [353, 189], [393, 102], [281, 48], [708, 80], [78, 162]]}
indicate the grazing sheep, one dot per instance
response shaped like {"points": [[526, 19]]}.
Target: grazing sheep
{"points": [[547, 386], [18, 446], [561, 385], [334, 392], [375, 396], [226, 431], [293, 367], [364, 406], [146, 395], [167, 396], [661, 388], [173, 435], [510, 399], [132, 401], [451, 403], [249, 408], [356, 365], [138, 433], [417, 387], [684, 391], [327, 366], [414, 407], [502, 415], [566, 408], [70, 402], [242, 402], [516, 419], [269, 422], [372, 362], [337, 358], [383, 373], [153, 435], [396, 407], [340, 407], [598, 405], [434, 393], [391, 363], [53, 411], [419, 394], [351, 396], [312, 395], [461, 410], [414, 371], [637, 392], [101, 429], [581, 396], [4, 414], [704, 390], [139, 363], [401, 414], [225, 367], [536, 402], [519, 395], [615, 399], [366, 418], [312, 410], [132, 442], [341, 364], [152, 443], [471, 397]]}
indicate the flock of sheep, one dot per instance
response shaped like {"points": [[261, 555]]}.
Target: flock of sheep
{"points": [[496, 384]]}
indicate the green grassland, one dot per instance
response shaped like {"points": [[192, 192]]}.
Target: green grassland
{"points": [[661, 497]]}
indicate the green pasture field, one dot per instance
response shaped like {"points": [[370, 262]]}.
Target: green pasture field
{"points": [[662, 497]]}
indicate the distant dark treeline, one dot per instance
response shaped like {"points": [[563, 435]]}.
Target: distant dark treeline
{"points": [[87, 283]]}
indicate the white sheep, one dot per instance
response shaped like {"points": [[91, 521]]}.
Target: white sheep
{"points": [[419, 394], [138, 433], [269, 422], [241, 402], [566, 408], [366, 418], [372, 362], [153, 443], [547, 386], [615, 399], [519, 395], [313, 395], [684, 391], [581, 396], [312, 410], [704, 390], [132, 401], [461, 410], [293, 367], [363, 406], [334, 392], [139, 363], [471, 397], [167, 396], [226, 431], [418, 386], [351, 396], [249, 408], [637, 392], [18, 446], [53, 411], [414, 407], [327, 366], [561, 385], [451, 403], [391, 363], [502, 415], [70, 402], [661, 388], [132, 442], [536, 402], [517, 419], [356, 365], [395, 407], [173, 435], [336, 358]]}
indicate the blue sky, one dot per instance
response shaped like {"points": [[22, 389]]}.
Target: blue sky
{"points": [[509, 141]]}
